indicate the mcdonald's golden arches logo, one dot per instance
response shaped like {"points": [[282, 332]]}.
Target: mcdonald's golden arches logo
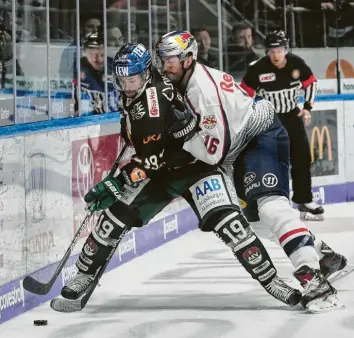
{"points": [[320, 134]]}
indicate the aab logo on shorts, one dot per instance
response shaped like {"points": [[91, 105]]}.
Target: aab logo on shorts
{"points": [[252, 256], [208, 186], [209, 193], [248, 178], [269, 180]]}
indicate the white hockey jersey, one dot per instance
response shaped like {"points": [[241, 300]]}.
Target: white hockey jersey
{"points": [[229, 117]]}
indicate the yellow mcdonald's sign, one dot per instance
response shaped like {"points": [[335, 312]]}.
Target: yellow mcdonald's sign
{"points": [[316, 133]]}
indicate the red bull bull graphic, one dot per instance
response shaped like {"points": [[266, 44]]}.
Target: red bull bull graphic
{"points": [[183, 39], [209, 122]]}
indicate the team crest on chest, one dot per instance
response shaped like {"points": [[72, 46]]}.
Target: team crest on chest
{"points": [[138, 111], [295, 74], [209, 121]]}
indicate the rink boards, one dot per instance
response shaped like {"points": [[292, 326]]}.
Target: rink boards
{"points": [[44, 175]]}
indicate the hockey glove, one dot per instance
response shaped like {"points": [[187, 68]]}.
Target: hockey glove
{"points": [[104, 194], [184, 125]]}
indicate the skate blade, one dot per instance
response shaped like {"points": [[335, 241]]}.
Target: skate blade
{"points": [[307, 216], [348, 269], [330, 303]]}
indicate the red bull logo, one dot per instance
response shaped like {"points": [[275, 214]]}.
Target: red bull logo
{"points": [[209, 122], [183, 39]]}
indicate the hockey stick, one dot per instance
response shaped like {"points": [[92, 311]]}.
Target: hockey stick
{"points": [[34, 286], [67, 305]]}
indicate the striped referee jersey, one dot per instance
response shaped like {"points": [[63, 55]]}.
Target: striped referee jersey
{"points": [[282, 86]]}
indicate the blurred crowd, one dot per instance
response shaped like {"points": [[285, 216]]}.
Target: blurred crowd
{"points": [[312, 23], [75, 89]]}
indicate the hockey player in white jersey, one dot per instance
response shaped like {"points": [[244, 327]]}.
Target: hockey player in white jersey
{"points": [[233, 125]]}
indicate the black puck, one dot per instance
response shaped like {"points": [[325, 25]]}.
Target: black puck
{"points": [[40, 322]]}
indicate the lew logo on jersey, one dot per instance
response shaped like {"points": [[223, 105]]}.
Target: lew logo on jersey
{"points": [[269, 77], [153, 103]]}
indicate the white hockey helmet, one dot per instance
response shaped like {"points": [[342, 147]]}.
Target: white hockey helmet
{"points": [[177, 43]]}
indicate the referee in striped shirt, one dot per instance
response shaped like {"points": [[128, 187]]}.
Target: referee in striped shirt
{"points": [[278, 77]]}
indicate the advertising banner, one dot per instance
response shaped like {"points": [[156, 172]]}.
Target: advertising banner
{"points": [[92, 159], [323, 138], [12, 211], [48, 197], [325, 68]]}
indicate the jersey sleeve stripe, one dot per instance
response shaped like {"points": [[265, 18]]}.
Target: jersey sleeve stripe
{"points": [[310, 92], [227, 137], [250, 91], [309, 81]]}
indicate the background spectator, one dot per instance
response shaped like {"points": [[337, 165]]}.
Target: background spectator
{"points": [[240, 51], [93, 79], [68, 58], [344, 14], [205, 57]]}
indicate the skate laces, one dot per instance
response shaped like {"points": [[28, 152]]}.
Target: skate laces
{"points": [[279, 289], [80, 282]]}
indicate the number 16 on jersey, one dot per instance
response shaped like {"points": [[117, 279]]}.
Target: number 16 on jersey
{"points": [[211, 144]]}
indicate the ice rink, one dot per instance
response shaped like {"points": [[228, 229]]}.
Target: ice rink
{"points": [[193, 287]]}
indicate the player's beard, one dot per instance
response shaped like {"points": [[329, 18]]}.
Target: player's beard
{"points": [[175, 78], [130, 93]]}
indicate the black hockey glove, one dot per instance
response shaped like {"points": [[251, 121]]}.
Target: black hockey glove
{"points": [[183, 125]]}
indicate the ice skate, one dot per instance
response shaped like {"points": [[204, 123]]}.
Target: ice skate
{"points": [[334, 266], [78, 286], [283, 292], [318, 295], [311, 212]]}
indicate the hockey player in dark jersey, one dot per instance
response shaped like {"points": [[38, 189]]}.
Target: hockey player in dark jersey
{"points": [[93, 80], [156, 123], [279, 77]]}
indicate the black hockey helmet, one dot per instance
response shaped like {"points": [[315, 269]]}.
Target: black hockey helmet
{"points": [[276, 39], [94, 40]]}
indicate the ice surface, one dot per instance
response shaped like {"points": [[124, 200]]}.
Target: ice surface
{"points": [[193, 288]]}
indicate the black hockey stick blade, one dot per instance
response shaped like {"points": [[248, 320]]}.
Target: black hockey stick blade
{"points": [[34, 286], [68, 305]]}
